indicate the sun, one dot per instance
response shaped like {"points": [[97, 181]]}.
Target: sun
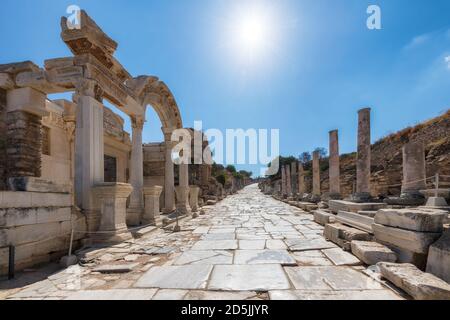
{"points": [[252, 33]]}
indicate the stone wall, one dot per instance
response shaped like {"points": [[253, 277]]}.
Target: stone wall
{"points": [[38, 225], [24, 139], [2, 139]]}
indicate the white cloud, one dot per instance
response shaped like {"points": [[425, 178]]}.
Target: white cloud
{"points": [[419, 40], [447, 60]]}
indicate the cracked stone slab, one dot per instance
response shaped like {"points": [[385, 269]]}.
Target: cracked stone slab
{"points": [[219, 236], [209, 257], [309, 244], [263, 257], [114, 294], [170, 294], [333, 295], [311, 258], [176, 277], [218, 295], [325, 278], [341, 258], [117, 268], [248, 278], [216, 245]]}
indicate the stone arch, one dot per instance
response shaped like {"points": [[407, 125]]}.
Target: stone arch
{"points": [[151, 91]]}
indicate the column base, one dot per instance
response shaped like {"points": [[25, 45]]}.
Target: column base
{"points": [[134, 216], [112, 238], [407, 198]]}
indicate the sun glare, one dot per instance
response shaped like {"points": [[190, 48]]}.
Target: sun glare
{"points": [[252, 33]]}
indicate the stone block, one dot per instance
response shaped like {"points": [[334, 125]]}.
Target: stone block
{"points": [[355, 220], [342, 205], [414, 241], [423, 220], [32, 184], [344, 235], [418, 284], [29, 233], [50, 199], [27, 100], [10, 199], [372, 252], [439, 257], [323, 217]]}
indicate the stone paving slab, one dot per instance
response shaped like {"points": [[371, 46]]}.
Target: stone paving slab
{"points": [[216, 245], [333, 295], [252, 244], [119, 294], [337, 278], [341, 258], [248, 277], [263, 257], [176, 277], [309, 244], [311, 258], [209, 257]]}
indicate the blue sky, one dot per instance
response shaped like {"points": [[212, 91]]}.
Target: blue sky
{"points": [[317, 66]]}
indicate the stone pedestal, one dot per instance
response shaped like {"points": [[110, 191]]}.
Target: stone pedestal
{"points": [[113, 198], [182, 193], [169, 179], [136, 206], [316, 174], [193, 198], [151, 208], [364, 158], [25, 109], [89, 156], [334, 171]]}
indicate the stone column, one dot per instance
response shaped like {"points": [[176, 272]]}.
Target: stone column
{"points": [[301, 180], [283, 182], [89, 150], [294, 178], [136, 205], [151, 209], [113, 198], [182, 190], [364, 158], [334, 171], [414, 172], [193, 198], [316, 174], [25, 108], [169, 179], [288, 181]]}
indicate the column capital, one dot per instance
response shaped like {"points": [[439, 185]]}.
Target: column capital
{"points": [[137, 122], [89, 88]]}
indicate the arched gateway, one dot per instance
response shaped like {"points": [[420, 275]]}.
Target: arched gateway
{"points": [[93, 74]]}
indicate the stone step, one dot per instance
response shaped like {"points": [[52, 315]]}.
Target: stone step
{"points": [[323, 218], [439, 257], [343, 205], [418, 284]]}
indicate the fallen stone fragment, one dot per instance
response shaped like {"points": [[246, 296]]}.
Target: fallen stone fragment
{"points": [[118, 268], [418, 284], [372, 252], [323, 218], [411, 240], [414, 219]]}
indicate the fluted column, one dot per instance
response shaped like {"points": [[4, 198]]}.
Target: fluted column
{"points": [[288, 181], [301, 180], [283, 182], [182, 190], [136, 206]]}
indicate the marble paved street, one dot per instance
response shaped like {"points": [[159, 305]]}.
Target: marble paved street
{"points": [[248, 246]]}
